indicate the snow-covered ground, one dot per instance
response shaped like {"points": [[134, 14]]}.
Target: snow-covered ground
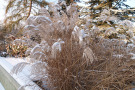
{"points": [[22, 77], [1, 87]]}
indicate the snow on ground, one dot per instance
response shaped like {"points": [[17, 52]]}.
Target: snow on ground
{"points": [[6, 65], [14, 61], [22, 77], [9, 62], [1, 87]]}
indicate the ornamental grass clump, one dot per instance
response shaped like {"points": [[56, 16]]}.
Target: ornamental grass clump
{"points": [[64, 71], [71, 71], [69, 58]]}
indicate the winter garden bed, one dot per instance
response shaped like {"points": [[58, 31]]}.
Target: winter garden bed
{"points": [[11, 81], [66, 54]]}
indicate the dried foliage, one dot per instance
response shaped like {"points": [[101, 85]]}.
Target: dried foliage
{"points": [[70, 58], [65, 70], [16, 50], [70, 71], [3, 33], [113, 69]]}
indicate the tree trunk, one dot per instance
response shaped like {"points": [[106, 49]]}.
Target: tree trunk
{"points": [[109, 3]]}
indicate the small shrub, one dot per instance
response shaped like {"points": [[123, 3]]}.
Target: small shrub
{"points": [[16, 50]]}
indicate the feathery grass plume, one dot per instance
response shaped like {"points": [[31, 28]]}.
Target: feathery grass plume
{"points": [[37, 48], [28, 51], [56, 47], [37, 73], [110, 30], [39, 56], [18, 67], [88, 55]]}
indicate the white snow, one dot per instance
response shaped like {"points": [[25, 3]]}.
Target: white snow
{"points": [[1, 87], [6, 65], [14, 61], [118, 55], [133, 55], [81, 36], [22, 77]]}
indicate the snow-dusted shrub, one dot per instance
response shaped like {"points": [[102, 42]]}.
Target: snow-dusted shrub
{"points": [[108, 26], [49, 24], [67, 68], [70, 57], [54, 27], [113, 59], [109, 40], [16, 50], [126, 24], [18, 47]]}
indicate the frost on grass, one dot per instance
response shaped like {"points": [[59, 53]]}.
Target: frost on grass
{"points": [[70, 56], [56, 47], [45, 35]]}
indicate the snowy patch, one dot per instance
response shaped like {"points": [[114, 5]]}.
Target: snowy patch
{"points": [[133, 55], [118, 56], [22, 77], [1, 87]]}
